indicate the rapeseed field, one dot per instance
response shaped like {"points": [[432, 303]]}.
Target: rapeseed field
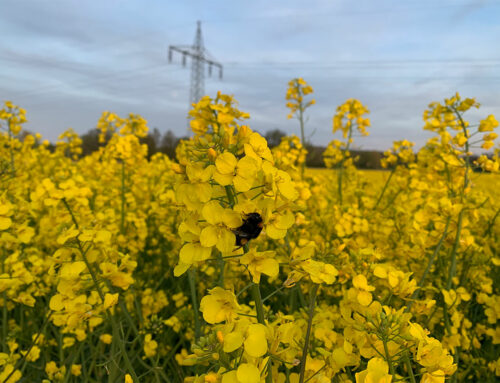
{"points": [[236, 264]]}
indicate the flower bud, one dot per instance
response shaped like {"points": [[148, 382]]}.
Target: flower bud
{"points": [[212, 154], [220, 337]]}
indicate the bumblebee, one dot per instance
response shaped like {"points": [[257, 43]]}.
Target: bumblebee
{"points": [[251, 228]]}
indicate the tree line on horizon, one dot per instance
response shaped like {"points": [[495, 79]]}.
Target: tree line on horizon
{"points": [[168, 141]]}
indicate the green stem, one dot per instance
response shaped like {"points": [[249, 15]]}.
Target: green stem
{"points": [[116, 335], [11, 141], [341, 166], [73, 218], [113, 368], [130, 321], [490, 225], [4, 312], [230, 196], [456, 360], [230, 193], [393, 198], [302, 135], [71, 360], [61, 351], [316, 373], [4, 322], [408, 366], [467, 157], [259, 308], [194, 301], [273, 293], [384, 188], [446, 317], [244, 289], [339, 181], [292, 299], [416, 293], [109, 314], [222, 266], [388, 357], [22, 361], [301, 121], [303, 359], [453, 264], [122, 220], [300, 294]]}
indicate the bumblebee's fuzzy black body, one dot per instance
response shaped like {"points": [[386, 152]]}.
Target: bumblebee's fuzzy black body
{"points": [[251, 228]]}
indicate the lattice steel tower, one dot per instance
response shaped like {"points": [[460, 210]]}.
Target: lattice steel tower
{"points": [[199, 57]]}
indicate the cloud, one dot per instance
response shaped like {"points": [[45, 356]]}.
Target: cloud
{"points": [[67, 61]]}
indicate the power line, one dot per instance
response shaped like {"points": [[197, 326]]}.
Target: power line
{"points": [[371, 63]]}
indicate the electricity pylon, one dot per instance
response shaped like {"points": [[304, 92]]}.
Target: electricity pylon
{"points": [[199, 57]]}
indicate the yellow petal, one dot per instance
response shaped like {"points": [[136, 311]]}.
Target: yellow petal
{"points": [[360, 282], [223, 179], [285, 220], [187, 253], [5, 223], [275, 233], [247, 167], [203, 191], [212, 212], [364, 298], [72, 270], [26, 234], [233, 341], [180, 269], [226, 241], [110, 300], [102, 236], [269, 266], [226, 163], [248, 373], [231, 218], [286, 186], [380, 272], [256, 341], [192, 252], [242, 184], [211, 309], [230, 377], [224, 118], [208, 236], [56, 302]]}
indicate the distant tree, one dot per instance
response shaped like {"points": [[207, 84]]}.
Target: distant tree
{"points": [[152, 140], [314, 157], [168, 144], [367, 159], [274, 136], [156, 136], [90, 142]]}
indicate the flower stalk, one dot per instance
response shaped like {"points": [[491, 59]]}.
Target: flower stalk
{"points": [[310, 315]]}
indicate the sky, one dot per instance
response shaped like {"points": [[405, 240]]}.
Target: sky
{"points": [[67, 61]]}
